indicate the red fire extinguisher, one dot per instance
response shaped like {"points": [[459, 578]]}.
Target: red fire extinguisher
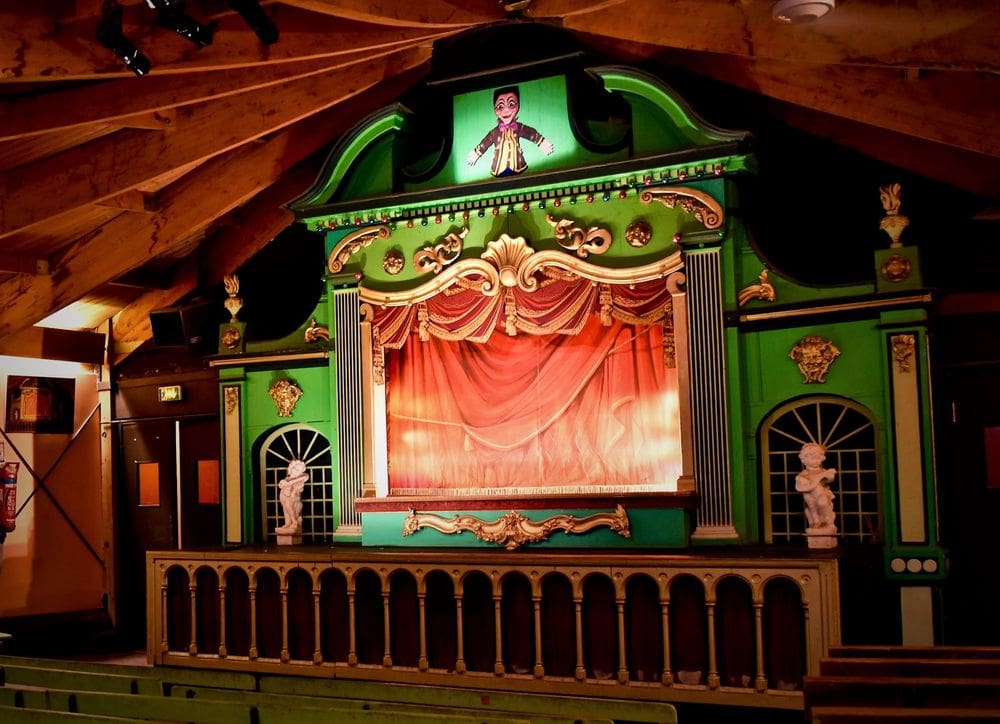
{"points": [[8, 488]]}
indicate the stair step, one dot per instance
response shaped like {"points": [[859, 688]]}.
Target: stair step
{"points": [[920, 667], [901, 691], [918, 652], [870, 715]]}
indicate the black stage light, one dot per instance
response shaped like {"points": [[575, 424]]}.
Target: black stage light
{"points": [[257, 19], [110, 35], [171, 15]]}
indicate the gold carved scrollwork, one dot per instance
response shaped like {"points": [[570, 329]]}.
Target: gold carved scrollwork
{"points": [[315, 332], [893, 223], [902, 351], [763, 289], [896, 268], [572, 237], [692, 201], [285, 394], [605, 299], [231, 337], [352, 244], [393, 262], [514, 529], [510, 262], [233, 303], [232, 395], [437, 257], [669, 351], [814, 355], [378, 357], [638, 233]]}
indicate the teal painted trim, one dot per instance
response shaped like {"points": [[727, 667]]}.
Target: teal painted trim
{"points": [[663, 528], [450, 201], [344, 154], [629, 80]]}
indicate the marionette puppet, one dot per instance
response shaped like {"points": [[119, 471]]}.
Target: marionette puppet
{"points": [[508, 158]]}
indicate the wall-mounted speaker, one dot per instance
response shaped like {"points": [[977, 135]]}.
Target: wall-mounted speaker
{"points": [[187, 324]]}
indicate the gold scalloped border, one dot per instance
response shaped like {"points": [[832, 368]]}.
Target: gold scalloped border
{"points": [[510, 261], [514, 529]]}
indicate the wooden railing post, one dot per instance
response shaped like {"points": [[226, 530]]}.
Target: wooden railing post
{"points": [[352, 652], [581, 671], [317, 631], [387, 629], [539, 664], [164, 642], [285, 654], [223, 651], [422, 661], [459, 634], [498, 667], [193, 598], [252, 654], [713, 673], [668, 676], [622, 665]]}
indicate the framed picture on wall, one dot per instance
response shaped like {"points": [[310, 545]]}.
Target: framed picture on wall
{"points": [[40, 404]]}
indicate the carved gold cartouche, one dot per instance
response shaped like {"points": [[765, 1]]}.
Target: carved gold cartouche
{"points": [[814, 355], [514, 529], [285, 394]]}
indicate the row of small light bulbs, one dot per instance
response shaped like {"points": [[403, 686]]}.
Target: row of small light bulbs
{"points": [[496, 210]]}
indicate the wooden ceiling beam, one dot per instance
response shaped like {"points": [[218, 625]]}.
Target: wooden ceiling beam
{"points": [[252, 227], [124, 98], [445, 14], [196, 201], [953, 108], [924, 34], [109, 166], [45, 49], [55, 344], [977, 174], [23, 263]]}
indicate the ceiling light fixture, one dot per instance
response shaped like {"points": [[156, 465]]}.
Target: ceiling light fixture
{"points": [[111, 36], [171, 15], [257, 19], [801, 11]]}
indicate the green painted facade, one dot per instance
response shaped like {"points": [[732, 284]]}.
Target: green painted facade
{"points": [[661, 144]]}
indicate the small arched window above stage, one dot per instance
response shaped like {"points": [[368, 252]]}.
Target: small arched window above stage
{"points": [[846, 431], [276, 451]]}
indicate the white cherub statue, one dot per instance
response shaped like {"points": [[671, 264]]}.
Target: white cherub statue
{"points": [[291, 487], [813, 482]]}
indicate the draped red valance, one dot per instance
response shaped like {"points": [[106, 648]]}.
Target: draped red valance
{"points": [[561, 305]]}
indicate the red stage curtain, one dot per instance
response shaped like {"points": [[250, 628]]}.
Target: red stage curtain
{"points": [[590, 409]]}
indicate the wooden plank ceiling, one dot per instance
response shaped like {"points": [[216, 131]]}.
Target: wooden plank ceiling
{"points": [[120, 194]]}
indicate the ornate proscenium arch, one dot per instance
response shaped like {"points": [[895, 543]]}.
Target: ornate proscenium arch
{"points": [[512, 262]]}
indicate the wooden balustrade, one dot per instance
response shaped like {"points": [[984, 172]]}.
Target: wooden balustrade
{"points": [[680, 628]]}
